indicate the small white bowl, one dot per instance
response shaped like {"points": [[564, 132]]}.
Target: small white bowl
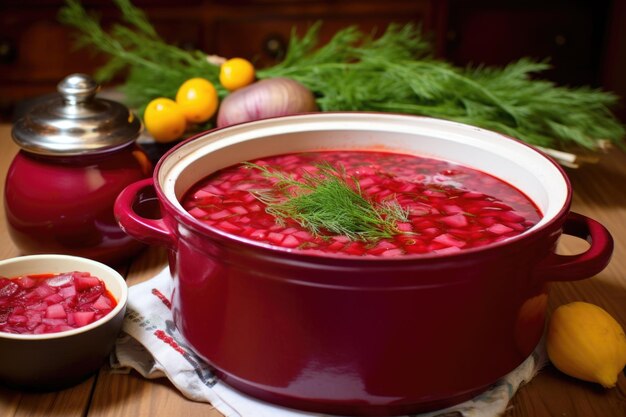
{"points": [[58, 360]]}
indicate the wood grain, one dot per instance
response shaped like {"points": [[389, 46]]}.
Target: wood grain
{"points": [[599, 192], [71, 402], [119, 395]]}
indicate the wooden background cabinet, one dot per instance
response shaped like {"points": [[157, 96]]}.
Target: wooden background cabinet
{"points": [[583, 39]]}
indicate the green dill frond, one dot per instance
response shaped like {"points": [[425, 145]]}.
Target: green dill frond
{"points": [[381, 75], [137, 18], [152, 67], [329, 201]]}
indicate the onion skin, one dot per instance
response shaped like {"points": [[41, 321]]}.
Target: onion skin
{"points": [[270, 97]]}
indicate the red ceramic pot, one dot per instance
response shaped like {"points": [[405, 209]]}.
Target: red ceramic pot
{"points": [[77, 154], [350, 335], [65, 205]]}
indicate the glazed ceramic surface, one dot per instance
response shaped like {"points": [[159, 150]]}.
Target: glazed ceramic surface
{"points": [[65, 204], [362, 336], [58, 360], [77, 153]]}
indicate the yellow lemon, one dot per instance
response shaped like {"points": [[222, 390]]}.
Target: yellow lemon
{"points": [[236, 73], [584, 341], [164, 120], [198, 99]]}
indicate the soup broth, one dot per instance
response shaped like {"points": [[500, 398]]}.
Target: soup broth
{"points": [[449, 207]]}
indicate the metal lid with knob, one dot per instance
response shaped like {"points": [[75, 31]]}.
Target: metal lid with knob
{"points": [[76, 122]]}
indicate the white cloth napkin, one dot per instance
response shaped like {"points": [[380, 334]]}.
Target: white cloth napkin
{"points": [[152, 346]]}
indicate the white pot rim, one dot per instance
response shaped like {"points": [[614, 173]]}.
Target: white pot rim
{"points": [[537, 175]]}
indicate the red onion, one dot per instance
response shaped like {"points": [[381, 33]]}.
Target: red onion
{"points": [[270, 97]]}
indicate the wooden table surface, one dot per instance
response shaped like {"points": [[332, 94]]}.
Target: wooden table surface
{"points": [[599, 192]]}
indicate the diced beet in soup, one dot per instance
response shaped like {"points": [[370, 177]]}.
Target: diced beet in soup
{"points": [[49, 303], [450, 207]]}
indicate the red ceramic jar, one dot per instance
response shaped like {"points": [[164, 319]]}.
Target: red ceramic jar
{"points": [[78, 153], [363, 336]]}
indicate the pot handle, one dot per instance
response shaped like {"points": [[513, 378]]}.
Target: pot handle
{"points": [[584, 265], [151, 231]]}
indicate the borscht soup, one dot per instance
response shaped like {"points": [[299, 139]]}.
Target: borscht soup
{"points": [[50, 303], [361, 203]]}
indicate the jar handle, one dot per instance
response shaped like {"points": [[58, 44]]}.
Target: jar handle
{"points": [[586, 264], [150, 231]]}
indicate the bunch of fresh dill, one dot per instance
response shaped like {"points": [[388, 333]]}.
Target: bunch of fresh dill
{"points": [[329, 201], [395, 72]]}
